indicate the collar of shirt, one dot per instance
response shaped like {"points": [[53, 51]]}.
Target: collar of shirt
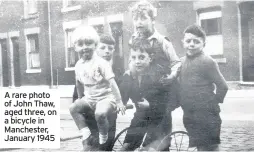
{"points": [[155, 35], [194, 55]]}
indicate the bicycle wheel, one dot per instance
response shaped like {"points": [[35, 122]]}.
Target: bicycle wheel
{"points": [[119, 139], [177, 141]]}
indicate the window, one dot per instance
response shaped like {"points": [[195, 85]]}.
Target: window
{"points": [[211, 21], [33, 50], [33, 54], [71, 56], [30, 8], [70, 5], [97, 23], [99, 28], [116, 26]]}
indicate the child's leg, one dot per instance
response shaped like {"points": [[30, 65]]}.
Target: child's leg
{"points": [[102, 111], [77, 110], [158, 129], [134, 136]]}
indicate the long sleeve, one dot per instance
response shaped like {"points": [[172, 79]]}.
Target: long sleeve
{"points": [[174, 60], [214, 74], [124, 87]]}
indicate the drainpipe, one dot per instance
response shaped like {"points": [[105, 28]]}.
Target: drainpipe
{"points": [[50, 48], [240, 42]]}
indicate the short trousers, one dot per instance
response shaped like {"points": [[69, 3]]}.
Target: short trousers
{"points": [[92, 104], [203, 127]]}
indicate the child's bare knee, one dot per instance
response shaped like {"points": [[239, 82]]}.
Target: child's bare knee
{"points": [[100, 115], [72, 108], [75, 107]]}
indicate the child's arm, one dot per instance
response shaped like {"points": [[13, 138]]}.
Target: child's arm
{"points": [[174, 61], [117, 95], [107, 73], [79, 85], [80, 89], [214, 74], [124, 87]]}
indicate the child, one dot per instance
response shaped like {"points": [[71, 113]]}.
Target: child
{"points": [[164, 56], [105, 49], [93, 75], [198, 77], [143, 16], [141, 85]]}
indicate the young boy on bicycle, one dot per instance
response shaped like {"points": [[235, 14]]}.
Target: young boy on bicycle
{"points": [[141, 85], [199, 76], [105, 49], [93, 75], [144, 17]]}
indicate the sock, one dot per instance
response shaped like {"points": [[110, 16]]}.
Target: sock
{"points": [[103, 138], [85, 132]]}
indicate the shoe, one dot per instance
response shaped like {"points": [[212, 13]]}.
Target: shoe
{"points": [[86, 145], [90, 143]]}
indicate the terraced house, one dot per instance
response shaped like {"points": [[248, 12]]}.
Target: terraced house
{"points": [[35, 36]]}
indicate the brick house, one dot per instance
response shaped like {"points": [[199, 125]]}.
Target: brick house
{"points": [[35, 36]]}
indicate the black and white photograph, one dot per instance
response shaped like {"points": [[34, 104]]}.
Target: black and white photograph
{"points": [[126, 75]]}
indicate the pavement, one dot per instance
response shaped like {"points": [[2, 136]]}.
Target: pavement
{"points": [[237, 132]]}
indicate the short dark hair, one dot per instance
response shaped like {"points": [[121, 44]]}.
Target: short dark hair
{"points": [[141, 44], [196, 30], [107, 39]]}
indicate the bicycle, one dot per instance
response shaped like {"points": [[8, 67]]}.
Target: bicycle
{"points": [[92, 125], [175, 141]]}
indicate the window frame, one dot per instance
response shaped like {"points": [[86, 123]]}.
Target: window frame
{"points": [[28, 32], [68, 8], [212, 13], [27, 14], [71, 25]]}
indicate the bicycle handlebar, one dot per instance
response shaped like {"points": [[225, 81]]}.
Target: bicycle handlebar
{"points": [[129, 106]]}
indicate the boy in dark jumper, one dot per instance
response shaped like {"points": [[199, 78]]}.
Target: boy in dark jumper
{"points": [[141, 85], [164, 56], [199, 99]]}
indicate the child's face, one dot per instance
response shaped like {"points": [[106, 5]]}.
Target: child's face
{"points": [[85, 49], [192, 43], [139, 61], [105, 51], [143, 23]]}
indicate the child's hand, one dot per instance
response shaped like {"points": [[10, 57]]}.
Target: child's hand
{"points": [[120, 107], [167, 79], [144, 104]]}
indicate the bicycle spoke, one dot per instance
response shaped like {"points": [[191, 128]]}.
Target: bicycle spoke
{"points": [[181, 141], [120, 142], [176, 142]]}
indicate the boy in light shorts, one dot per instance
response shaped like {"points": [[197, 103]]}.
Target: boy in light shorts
{"points": [[93, 75]]}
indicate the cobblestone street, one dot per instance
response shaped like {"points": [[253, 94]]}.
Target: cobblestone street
{"points": [[235, 136]]}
